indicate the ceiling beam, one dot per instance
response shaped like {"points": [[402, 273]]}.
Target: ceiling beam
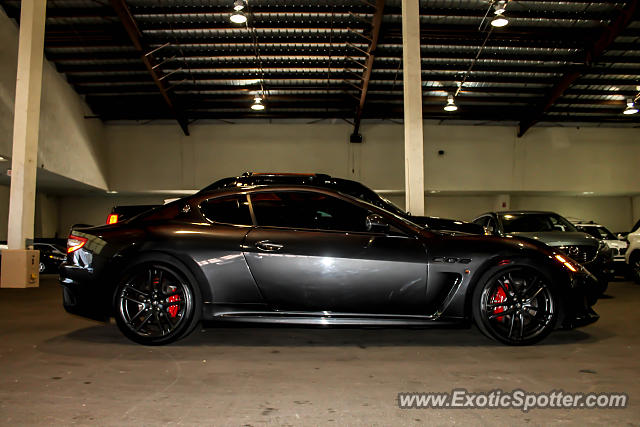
{"points": [[179, 12], [146, 54], [592, 54]]}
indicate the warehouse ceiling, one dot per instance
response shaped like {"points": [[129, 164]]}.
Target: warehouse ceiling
{"points": [[555, 62]]}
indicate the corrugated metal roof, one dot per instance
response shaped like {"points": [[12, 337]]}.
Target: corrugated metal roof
{"points": [[306, 53]]}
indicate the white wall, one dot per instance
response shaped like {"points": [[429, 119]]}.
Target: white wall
{"points": [[47, 214], [46, 221], [475, 159], [69, 144], [488, 160]]}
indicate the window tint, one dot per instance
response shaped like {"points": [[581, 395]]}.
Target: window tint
{"points": [[481, 221], [491, 226], [228, 210], [307, 210], [532, 222], [597, 232]]}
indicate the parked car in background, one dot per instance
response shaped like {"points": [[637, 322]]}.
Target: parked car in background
{"points": [[122, 212], [314, 256], [52, 253], [618, 246], [557, 232], [349, 187], [633, 252], [51, 256]]}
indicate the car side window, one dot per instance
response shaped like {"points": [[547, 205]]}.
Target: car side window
{"points": [[300, 209], [482, 221], [227, 210], [491, 226]]}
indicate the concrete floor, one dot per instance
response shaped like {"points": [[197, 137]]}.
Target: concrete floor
{"points": [[59, 369]]}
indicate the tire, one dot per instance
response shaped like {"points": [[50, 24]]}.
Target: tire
{"points": [[156, 303], [634, 267], [515, 304]]}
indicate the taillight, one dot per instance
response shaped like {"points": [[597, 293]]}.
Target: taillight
{"points": [[112, 219], [75, 242]]}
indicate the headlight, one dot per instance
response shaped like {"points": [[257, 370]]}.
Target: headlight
{"points": [[568, 263]]}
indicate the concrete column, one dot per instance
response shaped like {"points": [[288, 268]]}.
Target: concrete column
{"points": [[502, 202], [413, 135], [24, 157], [635, 210]]}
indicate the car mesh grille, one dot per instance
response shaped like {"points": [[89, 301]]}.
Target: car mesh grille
{"points": [[581, 253]]}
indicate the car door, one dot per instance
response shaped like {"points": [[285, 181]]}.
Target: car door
{"points": [[312, 251]]}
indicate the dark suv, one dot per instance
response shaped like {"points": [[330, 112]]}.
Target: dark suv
{"points": [[557, 232], [348, 187]]}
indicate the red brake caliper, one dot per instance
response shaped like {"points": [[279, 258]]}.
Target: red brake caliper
{"points": [[173, 308], [499, 297]]}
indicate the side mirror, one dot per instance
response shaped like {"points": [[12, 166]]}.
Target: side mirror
{"points": [[376, 224], [621, 236]]}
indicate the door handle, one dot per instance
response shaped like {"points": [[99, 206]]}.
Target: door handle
{"points": [[266, 245]]}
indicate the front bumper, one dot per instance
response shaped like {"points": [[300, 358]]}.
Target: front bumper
{"points": [[603, 266], [578, 301]]}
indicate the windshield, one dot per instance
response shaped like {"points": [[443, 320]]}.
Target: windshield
{"points": [[359, 191], [598, 232], [534, 222]]}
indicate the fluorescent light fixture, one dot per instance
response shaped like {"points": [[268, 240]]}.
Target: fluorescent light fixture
{"points": [[238, 5], [631, 107], [500, 20], [451, 106], [238, 17], [257, 104], [3, 159], [112, 192], [587, 192]]}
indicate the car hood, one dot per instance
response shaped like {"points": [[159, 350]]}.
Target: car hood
{"points": [[558, 238], [618, 244]]}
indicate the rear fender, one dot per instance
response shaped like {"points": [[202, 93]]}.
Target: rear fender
{"points": [[131, 255]]}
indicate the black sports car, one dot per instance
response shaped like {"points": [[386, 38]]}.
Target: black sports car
{"points": [[313, 256], [349, 187]]}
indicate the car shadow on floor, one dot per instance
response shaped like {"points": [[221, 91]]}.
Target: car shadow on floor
{"points": [[285, 336]]}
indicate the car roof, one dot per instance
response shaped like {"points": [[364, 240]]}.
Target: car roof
{"points": [[514, 212], [275, 187], [520, 212]]}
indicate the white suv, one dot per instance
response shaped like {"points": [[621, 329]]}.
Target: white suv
{"points": [[600, 232], [633, 253]]}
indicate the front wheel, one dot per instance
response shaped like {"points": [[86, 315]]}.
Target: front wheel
{"points": [[515, 305], [156, 304]]}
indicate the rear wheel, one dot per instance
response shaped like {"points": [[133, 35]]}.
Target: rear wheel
{"points": [[515, 305], [156, 304]]}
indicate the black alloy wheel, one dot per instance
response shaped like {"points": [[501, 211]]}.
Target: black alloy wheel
{"points": [[516, 305], [155, 304]]}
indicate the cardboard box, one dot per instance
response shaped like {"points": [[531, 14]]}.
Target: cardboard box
{"points": [[20, 268]]}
